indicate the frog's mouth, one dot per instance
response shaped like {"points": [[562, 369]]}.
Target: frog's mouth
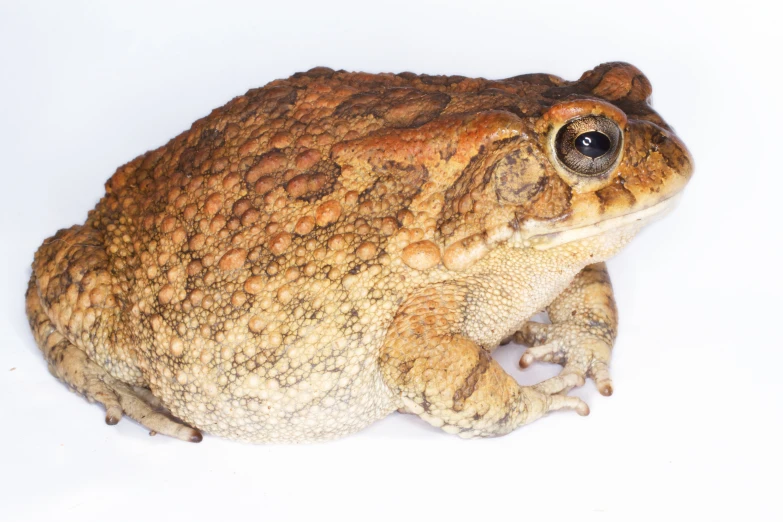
{"points": [[464, 253], [632, 220]]}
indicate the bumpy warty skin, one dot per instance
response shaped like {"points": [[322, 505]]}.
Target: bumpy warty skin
{"points": [[249, 272]]}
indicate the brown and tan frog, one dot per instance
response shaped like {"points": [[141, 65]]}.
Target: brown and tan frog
{"points": [[333, 247]]}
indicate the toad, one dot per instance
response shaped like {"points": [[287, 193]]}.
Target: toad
{"points": [[333, 247]]}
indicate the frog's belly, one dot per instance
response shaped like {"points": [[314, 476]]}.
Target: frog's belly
{"points": [[320, 405]]}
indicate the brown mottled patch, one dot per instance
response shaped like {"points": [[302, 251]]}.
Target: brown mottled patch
{"points": [[615, 196], [465, 391], [519, 176], [267, 163], [553, 201]]}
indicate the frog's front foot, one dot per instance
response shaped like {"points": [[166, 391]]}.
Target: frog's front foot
{"points": [[582, 353], [582, 333]]}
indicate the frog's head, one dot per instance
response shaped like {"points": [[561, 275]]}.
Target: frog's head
{"points": [[591, 157]]}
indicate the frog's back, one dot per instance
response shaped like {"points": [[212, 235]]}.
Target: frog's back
{"points": [[262, 140]]}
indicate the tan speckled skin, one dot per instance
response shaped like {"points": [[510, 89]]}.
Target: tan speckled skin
{"points": [[331, 247]]}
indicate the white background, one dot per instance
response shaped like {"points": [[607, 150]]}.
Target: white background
{"points": [[693, 430]]}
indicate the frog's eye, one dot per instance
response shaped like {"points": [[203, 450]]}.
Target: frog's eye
{"points": [[589, 146]]}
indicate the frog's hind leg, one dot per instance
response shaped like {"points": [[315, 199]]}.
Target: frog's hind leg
{"points": [[72, 366], [142, 406]]}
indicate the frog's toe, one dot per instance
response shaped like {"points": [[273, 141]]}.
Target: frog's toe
{"points": [[561, 383], [567, 402], [599, 372]]}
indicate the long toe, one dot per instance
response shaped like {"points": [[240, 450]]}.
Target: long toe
{"points": [[560, 383]]}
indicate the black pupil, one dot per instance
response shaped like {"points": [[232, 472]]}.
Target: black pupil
{"points": [[592, 144]]}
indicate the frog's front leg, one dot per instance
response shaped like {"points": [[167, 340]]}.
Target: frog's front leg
{"points": [[583, 329], [450, 381]]}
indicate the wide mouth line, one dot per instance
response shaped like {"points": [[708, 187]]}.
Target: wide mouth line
{"points": [[565, 235], [464, 252]]}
